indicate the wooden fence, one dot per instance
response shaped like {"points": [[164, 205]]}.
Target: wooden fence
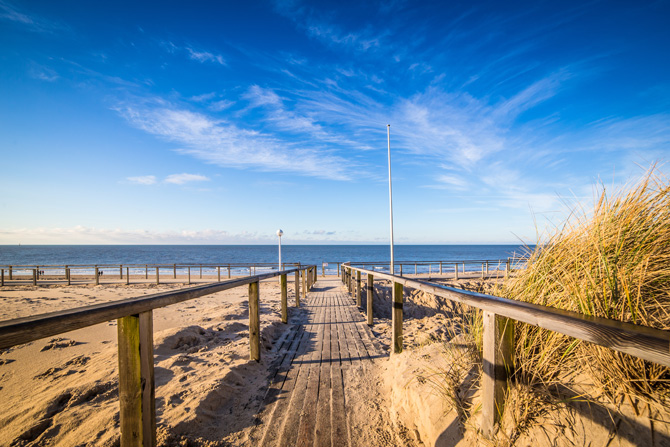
{"points": [[135, 340], [30, 274], [641, 341]]}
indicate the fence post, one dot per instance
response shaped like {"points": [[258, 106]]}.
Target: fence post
{"points": [[498, 341], [127, 275], [440, 267], [284, 304], [297, 288], [120, 271], [397, 317], [189, 274], [218, 272], [338, 269], [369, 297], [415, 269], [67, 274], [228, 271], [174, 271], [146, 271], [254, 323], [157, 277], [487, 267], [455, 271], [482, 270], [136, 380], [200, 271], [10, 273], [97, 276], [2, 277], [323, 269], [400, 269], [358, 288], [507, 268], [304, 284]]}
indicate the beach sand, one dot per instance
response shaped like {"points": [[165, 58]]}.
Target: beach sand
{"points": [[63, 390]]}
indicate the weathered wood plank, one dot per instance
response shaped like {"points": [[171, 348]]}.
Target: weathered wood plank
{"points": [[497, 364], [254, 323], [284, 298], [396, 320]]}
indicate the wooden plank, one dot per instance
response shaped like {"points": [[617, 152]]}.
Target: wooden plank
{"points": [[497, 365], [338, 418], [146, 336], [369, 300], [130, 381], [322, 436], [27, 329], [254, 323], [284, 303], [641, 341], [396, 320]]}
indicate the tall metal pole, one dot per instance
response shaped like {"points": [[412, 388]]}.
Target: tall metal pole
{"points": [[279, 234], [388, 138]]}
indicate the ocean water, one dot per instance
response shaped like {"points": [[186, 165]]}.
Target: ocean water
{"points": [[247, 254]]}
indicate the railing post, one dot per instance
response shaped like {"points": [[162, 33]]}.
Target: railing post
{"points": [[97, 276], [10, 273], [397, 298], [229, 271], [127, 275], [120, 271], [464, 267], [297, 288], [284, 299], [136, 380], [254, 323], [487, 267], [455, 271], [2, 277], [482, 270], [157, 277], [507, 268], [146, 271], [323, 269], [174, 271], [440, 267], [358, 288], [189, 274], [400, 269], [415, 269], [200, 271], [497, 359], [67, 274], [304, 284], [218, 272], [369, 298], [338, 269]]}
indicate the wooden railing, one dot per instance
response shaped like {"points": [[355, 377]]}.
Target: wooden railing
{"points": [[442, 267], [135, 339], [91, 272], [641, 341]]}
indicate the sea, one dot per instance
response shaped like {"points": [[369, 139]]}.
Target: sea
{"points": [[44, 255]]}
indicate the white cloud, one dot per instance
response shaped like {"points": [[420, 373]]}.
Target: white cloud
{"points": [[205, 56], [10, 12], [180, 179], [143, 180], [224, 144]]}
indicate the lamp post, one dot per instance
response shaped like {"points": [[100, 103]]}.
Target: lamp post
{"points": [[388, 138], [280, 233]]}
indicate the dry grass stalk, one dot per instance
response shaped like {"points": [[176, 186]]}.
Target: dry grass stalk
{"points": [[612, 263]]}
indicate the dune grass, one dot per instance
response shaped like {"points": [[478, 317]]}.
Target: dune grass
{"points": [[613, 262]]}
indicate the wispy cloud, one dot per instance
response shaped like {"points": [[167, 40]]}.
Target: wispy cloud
{"points": [[195, 54], [180, 179], [222, 143], [143, 180], [205, 56], [32, 22]]}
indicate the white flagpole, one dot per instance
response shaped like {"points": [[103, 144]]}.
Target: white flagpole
{"points": [[388, 138]]}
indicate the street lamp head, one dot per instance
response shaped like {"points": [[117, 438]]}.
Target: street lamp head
{"points": [[280, 233]]}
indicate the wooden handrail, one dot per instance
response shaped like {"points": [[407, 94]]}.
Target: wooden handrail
{"points": [[641, 341]]}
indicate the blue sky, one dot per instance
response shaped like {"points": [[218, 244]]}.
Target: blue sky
{"points": [[219, 122]]}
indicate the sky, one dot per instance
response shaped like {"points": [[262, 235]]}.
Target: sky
{"points": [[220, 122]]}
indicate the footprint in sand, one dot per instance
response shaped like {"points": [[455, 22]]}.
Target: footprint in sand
{"points": [[59, 343]]}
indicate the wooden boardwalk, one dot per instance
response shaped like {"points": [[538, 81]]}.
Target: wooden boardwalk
{"points": [[305, 404]]}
